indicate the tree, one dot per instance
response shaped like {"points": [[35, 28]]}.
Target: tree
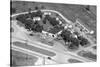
{"points": [[36, 8], [75, 42], [66, 35], [53, 21], [21, 18], [38, 28], [44, 20], [28, 24], [83, 41], [72, 46], [39, 14]]}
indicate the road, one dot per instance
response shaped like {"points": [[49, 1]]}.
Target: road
{"points": [[67, 53], [48, 11]]}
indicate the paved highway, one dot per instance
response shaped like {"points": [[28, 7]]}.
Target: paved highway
{"points": [[55, 50]]}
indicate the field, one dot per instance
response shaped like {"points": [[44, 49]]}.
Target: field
{"points": [[41, 38]]}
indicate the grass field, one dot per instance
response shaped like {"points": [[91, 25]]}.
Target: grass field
{"points": [[22, 59], [70, 11]]}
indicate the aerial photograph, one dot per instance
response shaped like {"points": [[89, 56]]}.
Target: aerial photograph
{"points": [[45, 33]]}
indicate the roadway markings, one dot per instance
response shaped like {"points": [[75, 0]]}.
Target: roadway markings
{"points": [[62, 52], [33, 48], [43, 57], [51, 11]]}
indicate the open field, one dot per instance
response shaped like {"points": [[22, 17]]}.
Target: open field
{"points": [[70, 11], [22, 59], [50, 31]]}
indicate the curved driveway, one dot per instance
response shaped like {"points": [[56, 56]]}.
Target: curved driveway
{"points": [[58, 14], [48, 11]]}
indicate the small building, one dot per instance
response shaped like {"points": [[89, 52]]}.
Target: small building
{"points": [[47, 13], [36, 18], [91, 32], [47, 34]]}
